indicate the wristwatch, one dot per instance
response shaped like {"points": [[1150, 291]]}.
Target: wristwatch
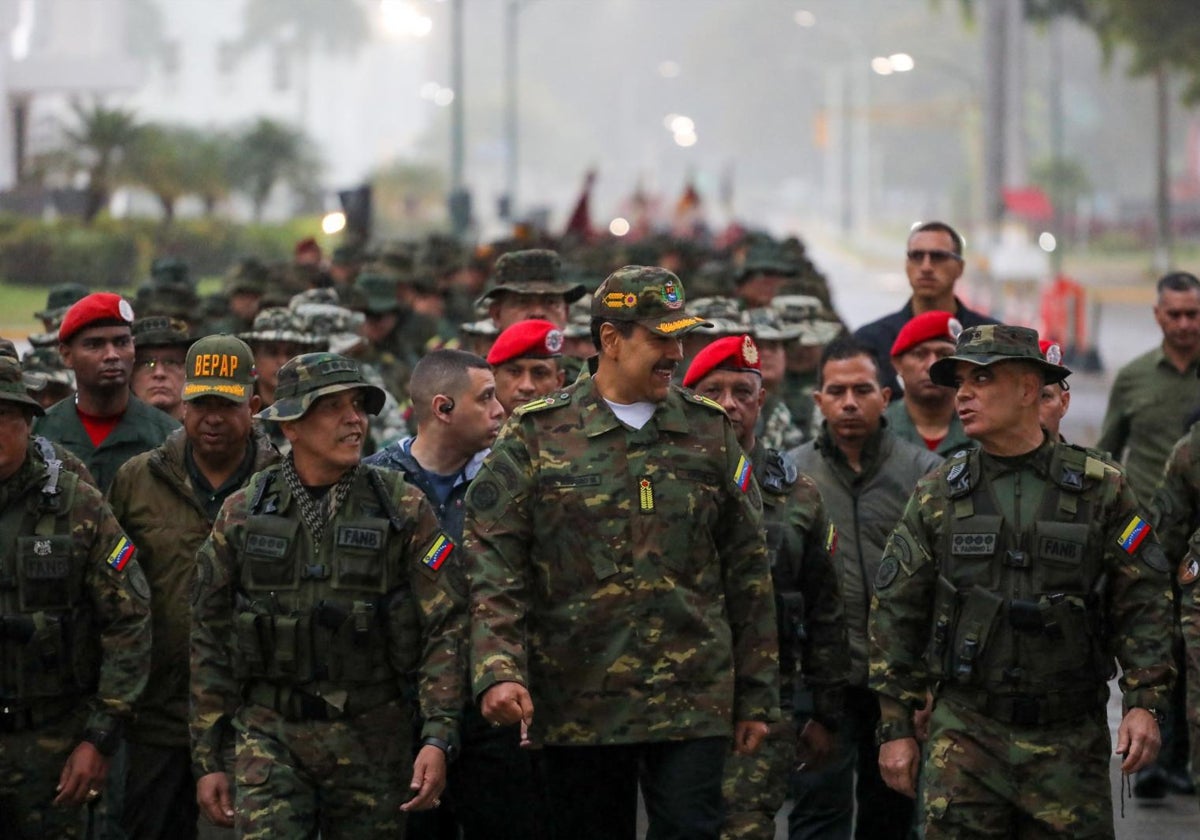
{"points": [[449, 749], [105, 741]]}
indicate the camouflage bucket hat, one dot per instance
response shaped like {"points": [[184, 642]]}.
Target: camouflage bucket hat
{"points": [[278, 323], [378, 287], [219, 366], [337, 324], [43, 366], [305, 379], [533, 272], [766, 325], [650, 296], [60, 298], [817, 325], [996, 343], [766, 258], [13, 384]]}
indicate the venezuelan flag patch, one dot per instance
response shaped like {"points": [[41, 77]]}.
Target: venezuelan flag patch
{"points": [[121, 554], [741, 475], [831, 538], [438, 552], [1135, 532]]}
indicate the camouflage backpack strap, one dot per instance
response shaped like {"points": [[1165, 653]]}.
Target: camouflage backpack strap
{"points": [[1071, 469], [779, 475], [961, 470]]}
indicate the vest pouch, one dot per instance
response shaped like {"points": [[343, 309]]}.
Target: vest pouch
{"points": [[974, 543], [974, 628], [1058, 657], [358, 646], [44, 574], [47, 658], [1060, 549], [252, 638], [402, 646], [269, 550], [292, 659], [361, 556], [945, 617]]}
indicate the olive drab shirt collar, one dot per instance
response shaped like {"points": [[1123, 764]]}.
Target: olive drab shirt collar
{"points": [[1037, 460], [872, 453]]}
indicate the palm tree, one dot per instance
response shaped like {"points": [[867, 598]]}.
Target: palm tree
{"points": [[99, 141], [267, 152]]}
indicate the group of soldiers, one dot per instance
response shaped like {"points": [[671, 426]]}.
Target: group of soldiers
{"points": [[448, 545]]}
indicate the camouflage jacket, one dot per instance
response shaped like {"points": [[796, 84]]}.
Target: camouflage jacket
{"points": [[66, 558], [778, 429], [415, 605], [801, 541], [1129, 579], [865, 506], [155, 501], [141, 428], [621, 574]]}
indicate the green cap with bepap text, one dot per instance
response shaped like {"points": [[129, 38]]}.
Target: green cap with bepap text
{"points": [[219, 366], [651, 296], [305, 379], [993, 343]]}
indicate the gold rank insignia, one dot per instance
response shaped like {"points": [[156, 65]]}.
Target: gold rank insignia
{"points": [[646, 495], [749, 351]]}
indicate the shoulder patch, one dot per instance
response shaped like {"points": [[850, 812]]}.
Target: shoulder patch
{"points": [[121, 554], [438, 552], [1189, 570], [1132, 536], [742, 473], [889, 567], [705, 401]]}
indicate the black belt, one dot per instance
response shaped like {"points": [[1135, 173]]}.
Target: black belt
{"points": [[1029, 709], [297, 706]]}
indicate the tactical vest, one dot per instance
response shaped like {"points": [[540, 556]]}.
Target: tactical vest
{"points": [[46, 649], [1018, 607], [318, 622]]}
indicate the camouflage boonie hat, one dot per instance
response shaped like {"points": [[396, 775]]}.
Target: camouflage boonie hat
{"points": [[160, 331], [483, 327], [219, 366], [766, 325], [278, 323], [248, 276], [817, 325], [305, 379], [13, 383], [336, 324], [766, 258], [996, 343], [43, 366], [533, 272], [648, 295], [60, 298], [378, 286]]}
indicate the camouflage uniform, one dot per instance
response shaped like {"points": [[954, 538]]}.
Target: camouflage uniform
{"points": [[75, 640], [812, 633], [1176, 518], [310, 626], [620, 574], [1007, 588]]}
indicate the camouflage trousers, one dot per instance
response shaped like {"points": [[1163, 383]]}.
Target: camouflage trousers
{"points": [[31, 762], [343, 779], [983, 778], [755, 786]]}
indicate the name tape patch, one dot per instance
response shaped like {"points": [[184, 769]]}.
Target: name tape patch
{"points": [[265, 545], [968, 545]]}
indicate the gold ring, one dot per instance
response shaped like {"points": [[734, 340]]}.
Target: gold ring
{"points": [[93, 793]]}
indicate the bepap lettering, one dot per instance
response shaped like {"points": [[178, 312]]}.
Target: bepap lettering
{"points": [[215, 364]]}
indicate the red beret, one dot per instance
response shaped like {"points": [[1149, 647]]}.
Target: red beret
{"points": [[101, 309], [308, 245], [532, 339], [1049, 348], [928, 326], [733, 352]]}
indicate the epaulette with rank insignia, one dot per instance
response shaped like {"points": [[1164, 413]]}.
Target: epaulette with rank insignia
{"points": [[705, 401], [552, 401]]}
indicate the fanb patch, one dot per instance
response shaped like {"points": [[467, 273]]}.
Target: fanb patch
{"points": [[1135, 532], [1061, 549], [968, 545], [646, 495], [438, 552], [370, 538], [888, 569], [1189, 570], [121, 555], [46, 568]]}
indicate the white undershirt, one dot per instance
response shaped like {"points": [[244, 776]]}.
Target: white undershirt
{"points": [[635, 415]]}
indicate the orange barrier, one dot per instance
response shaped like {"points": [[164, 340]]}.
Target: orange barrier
{"points": [[1064, 317]]}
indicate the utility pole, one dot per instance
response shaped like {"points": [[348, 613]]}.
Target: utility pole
{"points": [[460, 198], [512, 14], [1056, 143], [995, 22]]}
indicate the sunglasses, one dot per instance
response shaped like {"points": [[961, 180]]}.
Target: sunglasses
{"points": [[935, 256]]}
